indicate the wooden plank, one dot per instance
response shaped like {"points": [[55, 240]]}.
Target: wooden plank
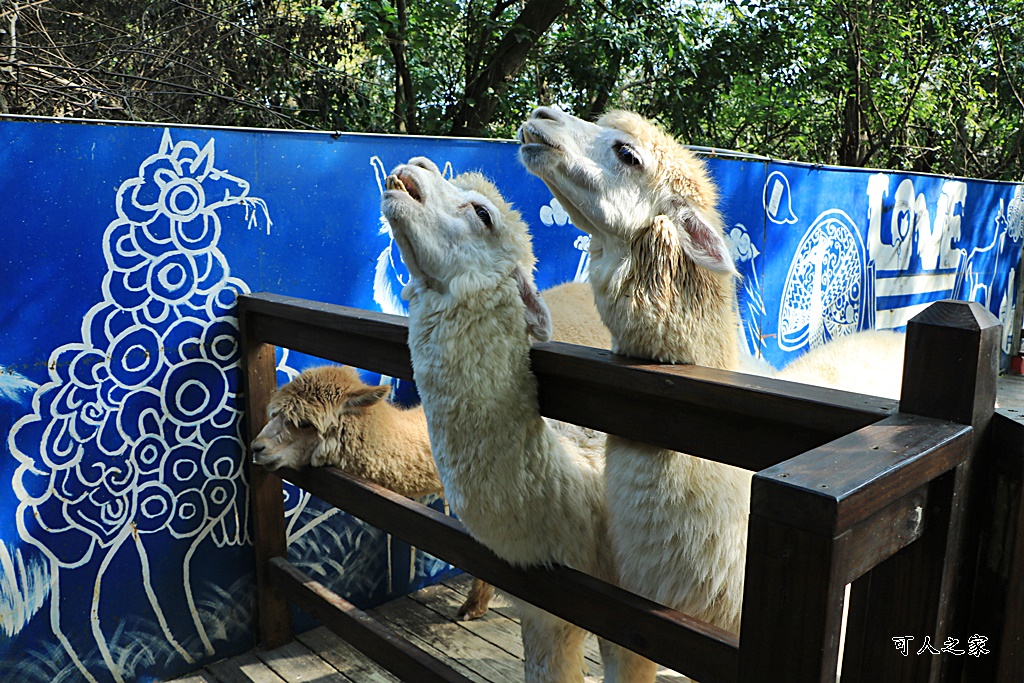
{"points": [[357, 628], [685, 408], [296, 663], [375, 341], [694, 409], [197, 677], [487, 661], [508, 625], [680, 642], [246, 668], [831, 488], [998, 610], [504, 626], [259, 380], [900, 597], [343, 657], [792, 604], [925, 590], [493, 627]]}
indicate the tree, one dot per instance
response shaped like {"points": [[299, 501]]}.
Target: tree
{"points": [[927, 85]]}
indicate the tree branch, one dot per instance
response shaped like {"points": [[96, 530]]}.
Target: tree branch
{"points": [[485, 89]]}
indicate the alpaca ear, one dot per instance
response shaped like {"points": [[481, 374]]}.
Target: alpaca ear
{"points": [[702, 241], [367, 396], [538, 318]]}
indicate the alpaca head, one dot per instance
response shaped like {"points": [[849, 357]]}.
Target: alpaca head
{"points": [[623, 177], [309, 414], [460, 237]]}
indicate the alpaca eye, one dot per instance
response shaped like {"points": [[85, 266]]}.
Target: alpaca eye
{"points": [[627, 154], [304, 424], [483, 214]]}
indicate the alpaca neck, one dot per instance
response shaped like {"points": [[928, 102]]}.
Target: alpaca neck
{"points": [[405, 433], [690, 317], [472, 369], [391, 447], [506, 475]]}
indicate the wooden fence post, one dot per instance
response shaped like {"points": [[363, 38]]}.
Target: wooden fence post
{"points": [[923, 592], [259, 380], [998, 609]]}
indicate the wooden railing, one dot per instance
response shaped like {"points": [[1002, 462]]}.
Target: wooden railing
{"points": [[849, 489]]}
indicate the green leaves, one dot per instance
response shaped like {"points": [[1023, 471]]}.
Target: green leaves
{"points": [[904, 84]]}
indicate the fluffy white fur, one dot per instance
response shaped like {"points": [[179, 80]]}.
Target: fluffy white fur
{"points": [[328, 416], [664, 284], [868, 362], [530, 496]]}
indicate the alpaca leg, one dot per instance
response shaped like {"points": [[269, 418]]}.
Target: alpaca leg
{"points": [[553, 647], [622, 665], [479, 598]]}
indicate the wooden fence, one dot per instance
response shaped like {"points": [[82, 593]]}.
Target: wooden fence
{"points": [[898, 499]]}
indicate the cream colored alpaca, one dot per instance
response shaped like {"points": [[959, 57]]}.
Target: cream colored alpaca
{"points": [[389, 446], [664, 283], [531, 497], [868, 362]]}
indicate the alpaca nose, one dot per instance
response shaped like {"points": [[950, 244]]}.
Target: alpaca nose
{"points": [[548, 113], [257, 450]]}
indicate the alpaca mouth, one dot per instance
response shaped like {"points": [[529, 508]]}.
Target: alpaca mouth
{"points": [[529, 135], [404, 182]]}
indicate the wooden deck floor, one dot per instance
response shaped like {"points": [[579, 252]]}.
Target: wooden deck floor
{"points": [[487, 650]]}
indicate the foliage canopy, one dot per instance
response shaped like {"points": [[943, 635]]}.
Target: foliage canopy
{"points": [[926, 85]]}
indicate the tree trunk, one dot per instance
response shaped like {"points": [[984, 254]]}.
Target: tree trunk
{"points": [[404, 117], [849, 147], [485, 89]]}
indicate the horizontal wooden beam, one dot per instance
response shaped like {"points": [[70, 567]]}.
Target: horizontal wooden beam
{"points": [[359, 629], [743, 420], [830, 489], [687, 645]]}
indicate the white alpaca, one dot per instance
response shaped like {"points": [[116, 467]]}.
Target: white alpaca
{"points": [[664, 283], [531, 497], [868, 362], [328, 416]]}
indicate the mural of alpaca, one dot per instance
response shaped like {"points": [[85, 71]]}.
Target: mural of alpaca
{"points": [[131, 447]]}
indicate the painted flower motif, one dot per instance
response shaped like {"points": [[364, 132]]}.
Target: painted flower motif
{"points": [[740, 245], [1015, 214], [552, 213]]}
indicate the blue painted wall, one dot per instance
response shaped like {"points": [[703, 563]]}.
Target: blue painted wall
{"points": [[123, 247]]}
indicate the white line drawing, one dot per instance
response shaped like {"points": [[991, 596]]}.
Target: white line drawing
{"points": [[1015, 213], [745, 255], [823, 295], [24, 588], [552, 214], [15, 387], [946, 270], [132, 445], [777, 199], [582, 243]]}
